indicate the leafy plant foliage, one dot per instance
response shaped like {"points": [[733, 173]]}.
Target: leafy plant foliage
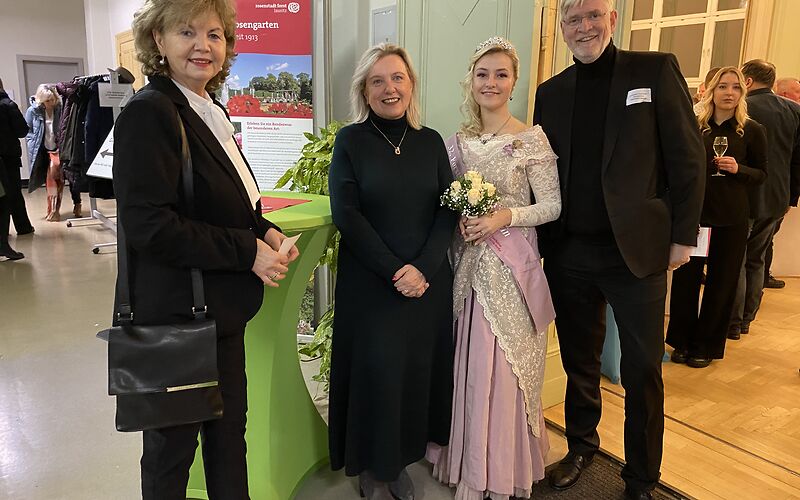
{"points": [[310, 175]]}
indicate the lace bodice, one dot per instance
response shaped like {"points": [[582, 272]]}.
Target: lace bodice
{"points": [[516, 165]]}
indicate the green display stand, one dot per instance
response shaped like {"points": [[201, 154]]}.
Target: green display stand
{"points": [[286, 437]]}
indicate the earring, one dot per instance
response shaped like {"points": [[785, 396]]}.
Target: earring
{"points": [[511, 98], [162, 60]]}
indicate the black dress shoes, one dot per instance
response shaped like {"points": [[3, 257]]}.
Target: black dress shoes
{"points": [[679, 356], [734, 334], [568, 470], [402, 488], [773, 282], [631, 494], [697, 362], [10, 253], [371, 489]]}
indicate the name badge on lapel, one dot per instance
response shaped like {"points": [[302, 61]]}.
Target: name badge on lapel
{"points": [[636, 96]]}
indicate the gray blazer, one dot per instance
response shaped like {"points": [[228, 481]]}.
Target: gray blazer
{"points": [[781, 118]]}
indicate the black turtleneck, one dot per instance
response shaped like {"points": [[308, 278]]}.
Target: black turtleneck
{"points": [[586, 213], [387, 205]]}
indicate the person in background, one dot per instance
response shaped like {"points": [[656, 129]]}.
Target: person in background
{"points": [[186, 48], [392, 365], [699, 337], [498, 440], [701, 90], [12, 204], [770, 201], [42, 118], [788, 88], [631, 168]]}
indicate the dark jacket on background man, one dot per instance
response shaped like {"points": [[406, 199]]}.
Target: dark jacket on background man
{"points": [[781, 118], [12, 127]]}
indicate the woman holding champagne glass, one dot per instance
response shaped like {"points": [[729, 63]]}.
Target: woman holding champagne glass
{"points": [[736, 149]]}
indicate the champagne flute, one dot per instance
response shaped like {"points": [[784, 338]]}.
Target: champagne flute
{"points": [[720, 146]]}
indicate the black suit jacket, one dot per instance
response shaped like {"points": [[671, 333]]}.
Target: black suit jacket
{"points": [[653, 171], [163, 243], [12, 127], [781, 118]]}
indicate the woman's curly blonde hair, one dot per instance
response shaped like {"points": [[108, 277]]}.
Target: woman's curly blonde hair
{"points": [[162, 15], [706, 104], [473, 125]]}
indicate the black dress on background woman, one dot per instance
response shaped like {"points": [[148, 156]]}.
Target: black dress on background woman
{"points": [[392, 366], [725, 211]]}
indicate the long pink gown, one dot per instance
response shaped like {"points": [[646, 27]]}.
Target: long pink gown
{"points": [[494, 450]]}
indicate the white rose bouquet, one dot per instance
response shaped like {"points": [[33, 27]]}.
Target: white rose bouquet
{"points": [[470, 195]]}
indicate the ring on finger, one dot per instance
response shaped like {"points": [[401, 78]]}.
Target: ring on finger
{"points": [[274, 275]]}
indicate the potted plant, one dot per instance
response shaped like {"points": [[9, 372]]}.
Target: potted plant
{"points": [[310, 175]]}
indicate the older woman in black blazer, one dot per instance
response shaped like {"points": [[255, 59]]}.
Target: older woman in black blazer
{"points": [[186, 47]]}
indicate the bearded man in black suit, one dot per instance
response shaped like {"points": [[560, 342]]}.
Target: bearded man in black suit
{"points": [[632, 171]]}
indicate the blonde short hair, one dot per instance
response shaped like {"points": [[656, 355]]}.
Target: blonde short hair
{"points": [[161, 15], [473, 125], [358, 100], [44, 93], [707, 102]]}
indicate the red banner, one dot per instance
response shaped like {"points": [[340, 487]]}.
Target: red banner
{"points": [[269, 92], [265, 27]]}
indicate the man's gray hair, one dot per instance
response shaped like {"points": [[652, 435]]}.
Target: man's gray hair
{"points": [[568, 4]]}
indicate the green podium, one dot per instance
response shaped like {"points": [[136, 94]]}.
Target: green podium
{"points": [[286, 437]]}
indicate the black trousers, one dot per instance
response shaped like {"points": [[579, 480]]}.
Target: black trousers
{"points": [[703, 333], [582, 279], [169, 452], [768, 254], [13, 200]]}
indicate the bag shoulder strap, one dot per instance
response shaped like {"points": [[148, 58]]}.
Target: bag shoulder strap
{"points": [[199, 309]]}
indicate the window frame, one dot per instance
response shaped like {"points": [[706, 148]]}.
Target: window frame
{"points": [[709, 19]]}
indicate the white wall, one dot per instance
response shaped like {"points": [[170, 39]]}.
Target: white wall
{"points": [[52, 28], [104, 20], [349, 39]]}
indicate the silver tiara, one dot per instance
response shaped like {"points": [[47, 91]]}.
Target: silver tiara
{"points": [[494, 41]]}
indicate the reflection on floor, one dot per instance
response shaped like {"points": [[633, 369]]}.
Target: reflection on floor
{"points": [[733, 429]]}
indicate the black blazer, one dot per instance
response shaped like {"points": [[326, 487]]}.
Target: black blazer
{"points": [[781, 119], [12, 127], [653, 171], [163, 244]]}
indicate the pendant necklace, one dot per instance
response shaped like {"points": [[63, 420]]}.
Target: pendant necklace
{"points": [[487, 139], [396, 148]]}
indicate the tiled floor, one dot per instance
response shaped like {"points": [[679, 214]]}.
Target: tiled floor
{"points": [[57, 436]]}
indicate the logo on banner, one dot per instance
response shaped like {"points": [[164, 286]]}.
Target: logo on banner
{"points": [[294, 7]]}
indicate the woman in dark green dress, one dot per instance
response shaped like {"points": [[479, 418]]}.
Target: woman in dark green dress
{"points": [[391, 373]]}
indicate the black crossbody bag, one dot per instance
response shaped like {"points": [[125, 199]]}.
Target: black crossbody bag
{"points": [[163, 375]]}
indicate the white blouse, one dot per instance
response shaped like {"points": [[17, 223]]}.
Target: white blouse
{"points": [[221, 127], [49, 134]]}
